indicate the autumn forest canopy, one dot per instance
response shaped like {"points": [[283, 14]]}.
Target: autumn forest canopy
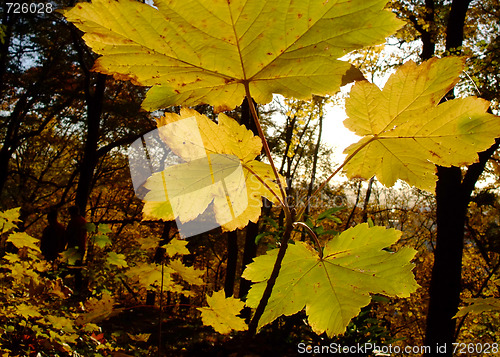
{"points": [[168, 184]]}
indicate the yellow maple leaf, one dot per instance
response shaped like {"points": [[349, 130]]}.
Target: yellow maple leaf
{"points": [[222, 312], [479, 305], [176, 246], [98, 309], [27, 311], [405, 133], [23, 239], [60, 323], [208, 51], [147, 274], [189, 274], [219, 173], [7, 219]]}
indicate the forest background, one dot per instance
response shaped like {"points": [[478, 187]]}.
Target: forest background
{"points": [[64, 133]]}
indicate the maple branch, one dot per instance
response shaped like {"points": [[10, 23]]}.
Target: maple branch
{"points": [[313, 235], [264, 141], [289, 219], [254, 323]]}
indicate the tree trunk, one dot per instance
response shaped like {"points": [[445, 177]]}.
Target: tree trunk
{"points": [[252, 229], [90, 157], [232, 260], [452, 199], [250, 252]]}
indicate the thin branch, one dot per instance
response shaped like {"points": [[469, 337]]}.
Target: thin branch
{"points": [[311, 234], [263, 138]]}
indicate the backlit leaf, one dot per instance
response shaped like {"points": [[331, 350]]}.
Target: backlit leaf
{"points": [[220, 172], [71, 255], [204, 51], [147, 274], [479, 305], [8, 219], [333, 289], [98, 309], [116, 259], [176, 246], [404, 130], [189, 274], [22, 239], [102, 240], [222, 312], [27, 311]]}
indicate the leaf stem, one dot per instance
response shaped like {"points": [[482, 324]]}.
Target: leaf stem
{"points": [[313, 235]]}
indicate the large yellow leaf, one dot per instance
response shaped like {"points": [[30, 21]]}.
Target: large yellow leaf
{"points": [[404, 130], [205, 51], [219, 179], [334, 287]]}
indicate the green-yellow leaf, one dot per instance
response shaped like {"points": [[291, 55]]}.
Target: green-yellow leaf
{"points": [[60, 323], [98, 309], [176, 246], [23, 239], [405, 133], [8, 219], [147, 274], [205, 51], [189, 274], [117, 259], [104, 228], [333, 289], [479, 305], [102, 240], [220, 172], [27, 311], [71, 255], [222, 312]]}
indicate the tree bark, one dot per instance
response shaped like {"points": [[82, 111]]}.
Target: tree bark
{"points": [[90, 158], [232, 260], [452, 199], [252, 229]]}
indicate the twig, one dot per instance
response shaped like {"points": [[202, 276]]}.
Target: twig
{"points": [[311, 234]]}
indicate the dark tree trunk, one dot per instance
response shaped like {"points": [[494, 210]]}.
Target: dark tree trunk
{"points": [[444, 291], [232, 260], [452, 198], [89, 161], [252, 229], [249, 253]]}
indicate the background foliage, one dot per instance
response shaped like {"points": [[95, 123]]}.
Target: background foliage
{"points": [[64, 130]]}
